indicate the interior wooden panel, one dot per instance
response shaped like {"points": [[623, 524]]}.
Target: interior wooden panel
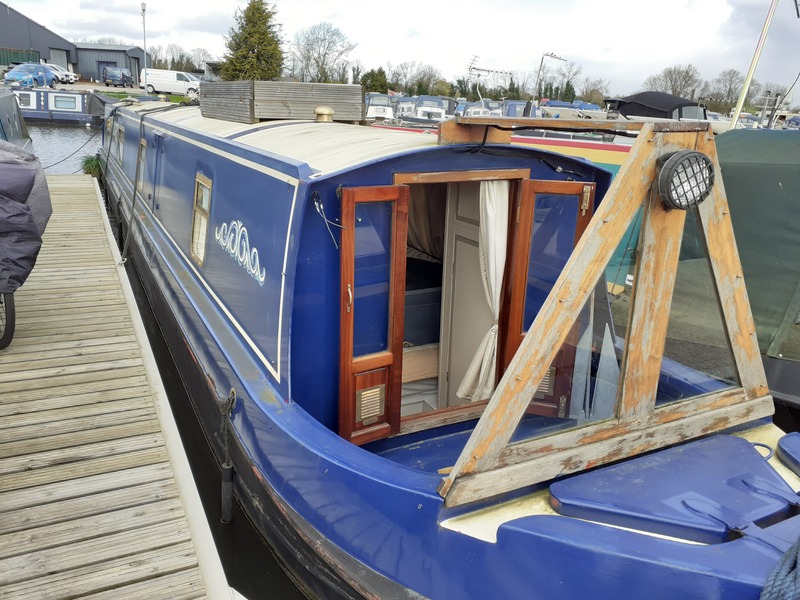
{"points": [[420, 362]]}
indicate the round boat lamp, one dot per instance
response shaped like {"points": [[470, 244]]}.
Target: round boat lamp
{"points": [[685, 179]]}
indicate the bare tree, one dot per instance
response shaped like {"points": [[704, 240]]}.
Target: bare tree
{"points": [[199, 57], [356, 71], [424, 78], [568, 72], [679, 80], [110, 40], [401, 76], [727, 86], [593, 90], [158, 57], [525, 81], [320, 51]]}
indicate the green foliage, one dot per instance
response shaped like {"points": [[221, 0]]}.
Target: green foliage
{"points": [[253, 44], [375, 81], [569, 92], [92, 165]]}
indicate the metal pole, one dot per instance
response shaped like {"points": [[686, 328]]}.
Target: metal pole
{"points": [[541, 64], [538, 78], [144, 36], [753, 64]]}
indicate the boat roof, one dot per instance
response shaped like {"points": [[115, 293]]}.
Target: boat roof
{"points": [[325, 147]]}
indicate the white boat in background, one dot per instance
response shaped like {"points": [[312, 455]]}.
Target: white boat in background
{"points": [[555, 109], [379, 107]]}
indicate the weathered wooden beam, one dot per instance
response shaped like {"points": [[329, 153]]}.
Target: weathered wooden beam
{"points": [[561, 461], [612, 428], [453, 132], [654, 282]]}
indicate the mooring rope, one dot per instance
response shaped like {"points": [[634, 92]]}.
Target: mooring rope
{"points": [[784, 581]]}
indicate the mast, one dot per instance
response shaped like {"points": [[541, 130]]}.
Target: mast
{"points": [[753, 64]]}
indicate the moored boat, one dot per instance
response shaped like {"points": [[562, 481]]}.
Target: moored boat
{"points": [[440, 366], [12, 123], [74, 107]]}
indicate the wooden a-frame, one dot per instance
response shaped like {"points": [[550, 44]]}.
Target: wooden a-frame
{"points": [[488, 465]]}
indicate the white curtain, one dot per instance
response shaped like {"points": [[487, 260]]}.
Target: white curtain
{"points": [[479, 380]]}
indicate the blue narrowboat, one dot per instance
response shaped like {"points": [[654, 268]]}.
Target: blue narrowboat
{"points": [[72, 107], [438, 365]]}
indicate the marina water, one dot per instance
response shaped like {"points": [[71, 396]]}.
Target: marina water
{"points": [[249, 564]]}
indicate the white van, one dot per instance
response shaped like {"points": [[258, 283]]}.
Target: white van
{"points": [[170, 82]]}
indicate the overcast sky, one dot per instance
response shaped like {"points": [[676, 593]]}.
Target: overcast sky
{"points": [[622, 42]]}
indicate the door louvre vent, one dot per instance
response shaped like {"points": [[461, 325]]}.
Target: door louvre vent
{"points": [[548, 385], [370, 404]]}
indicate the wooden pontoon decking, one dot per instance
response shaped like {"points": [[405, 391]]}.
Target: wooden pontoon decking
{"points": [[94, 502]]}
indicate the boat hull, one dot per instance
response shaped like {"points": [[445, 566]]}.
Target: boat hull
{"points": [[350, 523]]}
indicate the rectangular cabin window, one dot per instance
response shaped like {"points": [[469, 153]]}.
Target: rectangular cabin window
{"points": [[142, 163], [202, 204], [24, 100], [65, 102], [117, 145]]}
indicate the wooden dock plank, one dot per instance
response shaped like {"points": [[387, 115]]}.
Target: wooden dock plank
{"points": [[95, 526], [183, 585], [109, 574], [73, 395], [89, 505], [68, 439], [98, 503], [61, 490], [75, 454]]}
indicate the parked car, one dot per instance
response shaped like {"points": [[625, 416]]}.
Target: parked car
{"points": [[117, 76], [64, 75], [31, 75]]}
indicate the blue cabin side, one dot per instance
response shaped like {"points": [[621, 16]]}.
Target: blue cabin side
{"points": [[257, 241]]}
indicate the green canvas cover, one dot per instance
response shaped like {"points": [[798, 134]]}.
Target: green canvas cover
{"points": [[761, 172]]}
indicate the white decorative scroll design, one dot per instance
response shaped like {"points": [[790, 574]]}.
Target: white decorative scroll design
{"points": [[234, 240]]}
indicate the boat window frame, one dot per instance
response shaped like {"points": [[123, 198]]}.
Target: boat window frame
{"points": [[69, 99], [142, 163], [118, 142], [200, 180], [28, 96]]}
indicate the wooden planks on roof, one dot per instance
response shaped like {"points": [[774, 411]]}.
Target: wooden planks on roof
{"points": [[253, 101], [89, 503]]}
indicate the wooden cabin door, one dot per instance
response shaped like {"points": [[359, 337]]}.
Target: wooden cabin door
{"points": [[548, 220], [373, 271]]}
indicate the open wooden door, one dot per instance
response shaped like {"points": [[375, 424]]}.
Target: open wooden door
{"points": [[373, 270], [548, 220]]}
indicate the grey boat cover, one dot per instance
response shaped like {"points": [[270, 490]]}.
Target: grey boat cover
{"points": [[761, 172], [24, 211]]}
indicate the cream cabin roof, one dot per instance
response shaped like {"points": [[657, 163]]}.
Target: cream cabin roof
{"points": [[325, 147]]}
